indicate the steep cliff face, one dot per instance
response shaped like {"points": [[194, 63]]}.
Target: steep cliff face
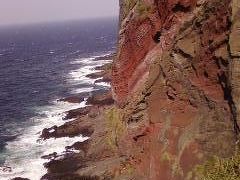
{"points": [[176, 80]]}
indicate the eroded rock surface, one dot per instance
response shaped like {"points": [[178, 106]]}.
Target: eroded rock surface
{"points": [[176, 76]]}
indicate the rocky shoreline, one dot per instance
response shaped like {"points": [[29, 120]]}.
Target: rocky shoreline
{"points": [[175, 85], [87, 121]]}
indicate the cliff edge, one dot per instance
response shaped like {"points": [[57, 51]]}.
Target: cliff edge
{"points": [[176, 83]]}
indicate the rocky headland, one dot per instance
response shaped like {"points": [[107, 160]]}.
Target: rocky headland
{"points": [[173, 110]]}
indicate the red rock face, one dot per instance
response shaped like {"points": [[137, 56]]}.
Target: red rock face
{"points": [[183, 83], [137, 40]]}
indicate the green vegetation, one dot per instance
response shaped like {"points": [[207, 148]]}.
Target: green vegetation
{"points": [[127, 168], [115, 125], [128, 5], [143, 9], [166, 157], [130, 169], [220, 169], [108, 67], [214, 169]]}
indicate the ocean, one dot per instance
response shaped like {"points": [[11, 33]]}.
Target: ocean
{"points": [[40, 64]]}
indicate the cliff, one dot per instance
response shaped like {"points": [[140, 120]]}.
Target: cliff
{"points": [[176, 83], [176, 111]]}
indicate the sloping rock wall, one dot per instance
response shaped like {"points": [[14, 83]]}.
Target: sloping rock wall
{"points": [[176, 77]]}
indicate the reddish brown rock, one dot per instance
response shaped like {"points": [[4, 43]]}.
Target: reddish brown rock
{"points": [[83, 146], [147, 21], [96, 157], [96, 75], [74, 113], [72, 99], [101, 99], [69, 129], [103, 74], [174, 60]]}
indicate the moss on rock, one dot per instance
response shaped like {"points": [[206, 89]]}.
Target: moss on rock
{"points": [[115, 125]]}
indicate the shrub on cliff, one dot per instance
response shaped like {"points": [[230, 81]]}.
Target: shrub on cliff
{"points": [[220, 169], [143, 9], [115, 126], [128, 5]]}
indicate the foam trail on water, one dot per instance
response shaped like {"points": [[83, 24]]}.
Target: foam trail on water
{"points": [[82, 60], [80, 75], [24, 154], [105, 84], [82, 90]]}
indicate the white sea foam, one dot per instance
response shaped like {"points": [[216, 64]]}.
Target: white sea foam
{"points": [[82, 60], [91, 60], [52, 130], [105, 84], [51, 52], [23, 154], [82, 90], [79, 75]]}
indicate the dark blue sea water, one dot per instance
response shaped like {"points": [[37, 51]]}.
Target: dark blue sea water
{"points": [[39, 64]]}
